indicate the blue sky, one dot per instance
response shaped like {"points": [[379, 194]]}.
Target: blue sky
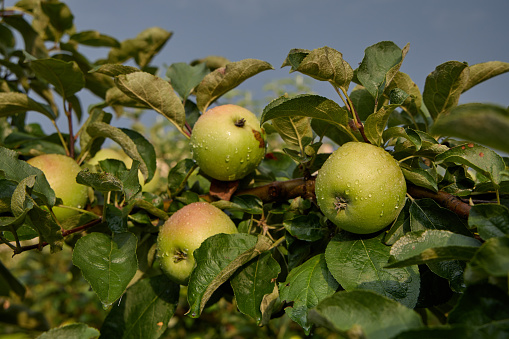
{"points": [[437, 30]]}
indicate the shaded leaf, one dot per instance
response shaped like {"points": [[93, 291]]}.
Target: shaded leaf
{"points": [[144, 311], [483, 123], [108, 264], [420, 177], [306, 227], [252, 282], [484, 71], [184, 77], [293, 130], [12, 103], [223, 79], [444, 86], [426, 214], [179, 174], [364, 314], [9, 283], [66, 77], [492, 259], [217, 259], [114, 70], [76, 330], [358, 263], [491, 220], [95, 39]]}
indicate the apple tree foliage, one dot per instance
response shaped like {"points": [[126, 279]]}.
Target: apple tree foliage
{"points": [[439, 270]]}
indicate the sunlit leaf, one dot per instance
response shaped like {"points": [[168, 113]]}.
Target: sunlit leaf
{"points": [[484, 71]]}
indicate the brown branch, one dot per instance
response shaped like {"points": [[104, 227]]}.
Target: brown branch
{"points": [[446, 200], [64, 234], [283, 190]]}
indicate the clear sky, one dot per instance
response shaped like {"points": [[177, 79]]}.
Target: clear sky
{"points": [[437, 30]]}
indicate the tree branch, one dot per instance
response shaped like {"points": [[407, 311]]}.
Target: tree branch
{"points": [[446, 200]]}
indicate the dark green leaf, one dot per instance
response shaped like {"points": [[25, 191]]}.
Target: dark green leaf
{"points": [[156, 94], [426, 214], [144, 311], [294, 58], [364, 314], [376, 123], [490, 220], [9, 283], [12, 103], [246, 203], [277, 165], [103, 181], [480, 304], [223, 79], [252, 282], [76, 330], [363, 102], [444, 86], [108, 264], [306, 227], [358, 263], [492, 259], [420, 247], [420, 177], [59, 15], [16, 170], [305, 286], [184, 77], [66, 77], [483, 123], [380, 64], [293, 130], [146, 151], [217, 259], [178, 176], [114, 70], [49, 231], [480, 158]]}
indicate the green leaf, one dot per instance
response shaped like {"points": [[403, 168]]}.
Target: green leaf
{"points": [[480, 158], [483, 123], [66, 77], [480, 304], [327, 64], [420, 247], [104, 130], [142, 48], [357, 263], [307, 105], [103, 182], [380, 64], [491, 220], [293, 130], [420, 177], [305, 286], [184, 77], [17, 170], [34, 44], [444, 86], [492, 259], [144, 311], [413, 102], [49, 231], [484, 71], [95, 39], [246, 203], [156, 94], [294, 58], [363, 102], [60, 16], [223, 79], [12, 103], [76, 330], [277, 165], [178, 176], [376, 124], [108, 264], [426, 214], [217, 259], [252, 282], [306, 227], [364, 314], [146, 151]]}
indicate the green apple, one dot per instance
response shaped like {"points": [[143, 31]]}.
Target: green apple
{"points": [[184, 232], [61, 172], [227, 142], [110, 153], [360, 188]]}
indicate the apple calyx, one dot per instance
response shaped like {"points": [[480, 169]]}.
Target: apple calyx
{"points": [[340, 204], [179, 256], [240, 123]]}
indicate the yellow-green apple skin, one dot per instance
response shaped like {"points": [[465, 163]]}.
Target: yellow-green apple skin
{"points": [[110, 153], [227, 142], [61, 172], [360, 188], [184, 232]]}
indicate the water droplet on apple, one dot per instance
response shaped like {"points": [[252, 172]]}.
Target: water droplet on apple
{"points": [[347, 192], [369, 195], [356, 182], [348, 185], [382, 213]]}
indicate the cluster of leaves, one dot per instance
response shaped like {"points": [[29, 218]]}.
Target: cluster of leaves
{"points": [[440, 269]]}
